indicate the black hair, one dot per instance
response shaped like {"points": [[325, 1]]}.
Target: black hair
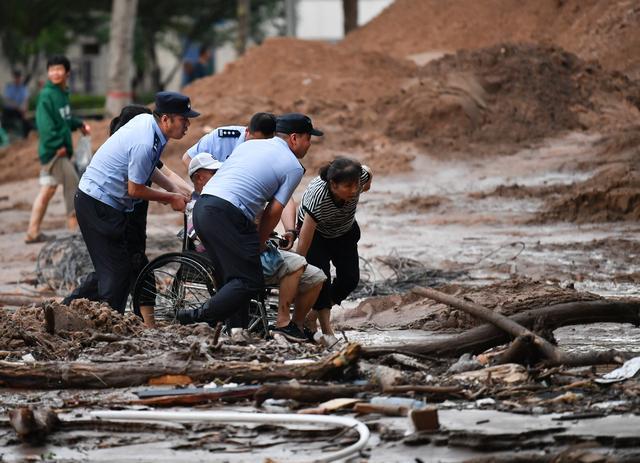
{"points": [[203, 49], [265, 123], [16, 73], [127, 113], [59, 60], [341, 170]]}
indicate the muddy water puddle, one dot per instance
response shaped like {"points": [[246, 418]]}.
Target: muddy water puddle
{"points": [[492, 236]]}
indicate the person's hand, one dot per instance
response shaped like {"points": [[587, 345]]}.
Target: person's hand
{"points": [[85, 129], [178, 202], [288, 239], [61, 152]]}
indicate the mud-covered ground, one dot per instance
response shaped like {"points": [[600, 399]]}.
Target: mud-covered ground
{"points": [[478, 228]]}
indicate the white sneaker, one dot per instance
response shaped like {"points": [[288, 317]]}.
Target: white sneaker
{"points": [[329, 340]]}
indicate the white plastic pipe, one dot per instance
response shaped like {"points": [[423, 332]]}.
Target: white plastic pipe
{"points": [[239, 417]]}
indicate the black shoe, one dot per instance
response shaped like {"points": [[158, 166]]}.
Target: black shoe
{"points": [[309, 334], [187, 316], [291, 332]]}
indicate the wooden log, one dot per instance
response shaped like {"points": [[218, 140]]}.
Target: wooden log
{"points": [[552, 355], [507, 325], [481, 338], [58, 375], [308, 393]]}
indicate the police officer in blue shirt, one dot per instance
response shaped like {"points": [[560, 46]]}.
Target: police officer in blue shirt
{"points": [[221, 142], [259, 173], [115, 179]]}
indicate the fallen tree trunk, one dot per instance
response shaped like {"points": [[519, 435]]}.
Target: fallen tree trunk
{"points": [[551, 355], [477, 340], [58, 375]]}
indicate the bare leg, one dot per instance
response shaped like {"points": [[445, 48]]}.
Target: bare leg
{"points": [[39, 209], [287, 293], [324, 317], [303, 304], [312, 320], [72, 222], [147, 312]]}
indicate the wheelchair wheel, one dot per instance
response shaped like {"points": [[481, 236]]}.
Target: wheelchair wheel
{"points": [[263, 311], [178, 280]]}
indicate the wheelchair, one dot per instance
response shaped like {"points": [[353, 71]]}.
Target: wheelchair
{"points": [[186, 279]]}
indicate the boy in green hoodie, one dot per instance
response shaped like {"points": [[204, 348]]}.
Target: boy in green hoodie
{"points": [[55, 123]]}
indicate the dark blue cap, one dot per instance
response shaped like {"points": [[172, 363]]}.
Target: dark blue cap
{"points": [[174, 103], [296, 123]]}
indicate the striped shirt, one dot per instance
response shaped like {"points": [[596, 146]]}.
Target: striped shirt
{"points": [[332, 219]]}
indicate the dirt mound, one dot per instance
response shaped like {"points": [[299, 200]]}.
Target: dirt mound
{"points": [[508, 94], [412, 311], [605, 30], [74, 327], [612, 194], [330, 83], [417, 204]]}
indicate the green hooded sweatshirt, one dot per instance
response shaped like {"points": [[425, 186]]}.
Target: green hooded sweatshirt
{"points": [[54, 121]]}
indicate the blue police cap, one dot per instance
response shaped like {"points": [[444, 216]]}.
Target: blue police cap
{"points": [[174, 103], [296, 123]]}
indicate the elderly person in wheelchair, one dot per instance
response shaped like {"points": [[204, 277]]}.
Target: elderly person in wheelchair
{"points": [[299, 283]]}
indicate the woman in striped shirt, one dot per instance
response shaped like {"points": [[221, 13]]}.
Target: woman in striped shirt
{"points": [[329, 234]]}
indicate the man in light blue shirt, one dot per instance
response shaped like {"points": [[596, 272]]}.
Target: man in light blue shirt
{"points": [[14, 104], [221, 142], [258, 173], [115, 179]]}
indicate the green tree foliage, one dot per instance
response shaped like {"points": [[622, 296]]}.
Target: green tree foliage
{"points": [[32, 28]]}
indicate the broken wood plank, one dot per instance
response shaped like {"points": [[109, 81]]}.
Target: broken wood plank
{"points": [[57, 375], [308, 393]]}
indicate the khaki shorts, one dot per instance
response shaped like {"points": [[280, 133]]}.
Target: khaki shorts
{"points": [[61, 171], [311, 276]]}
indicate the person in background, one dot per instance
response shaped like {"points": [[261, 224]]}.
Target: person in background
{"points": [[202, 67], [14, 104], [329, 234], [55, 147]]}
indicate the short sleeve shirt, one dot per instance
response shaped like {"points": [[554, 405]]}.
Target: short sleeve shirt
{"points": [[220, 142], [15, 95], [257, 172], [131, 153], [332, 218]]}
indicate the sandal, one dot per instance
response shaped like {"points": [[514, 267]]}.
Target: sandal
{"points": [[39, 238]]}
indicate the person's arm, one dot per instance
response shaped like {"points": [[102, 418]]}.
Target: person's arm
{"points": [[49, 121], [367, 185], [186, 160], [288, 220], [269, 219], [306, 235], [177, 201], [172, 182], [182, 186]]}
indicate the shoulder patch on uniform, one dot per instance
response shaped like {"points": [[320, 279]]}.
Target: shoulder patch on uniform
{"points": [[156, 142], [229, 133]]}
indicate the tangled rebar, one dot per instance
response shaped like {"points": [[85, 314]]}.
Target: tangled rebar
{"points": [[407, 273], [62, 263]]}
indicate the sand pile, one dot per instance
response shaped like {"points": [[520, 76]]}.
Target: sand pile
{"points": [[508, 94], [374, 104], [605, 30], [613, 194]]}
